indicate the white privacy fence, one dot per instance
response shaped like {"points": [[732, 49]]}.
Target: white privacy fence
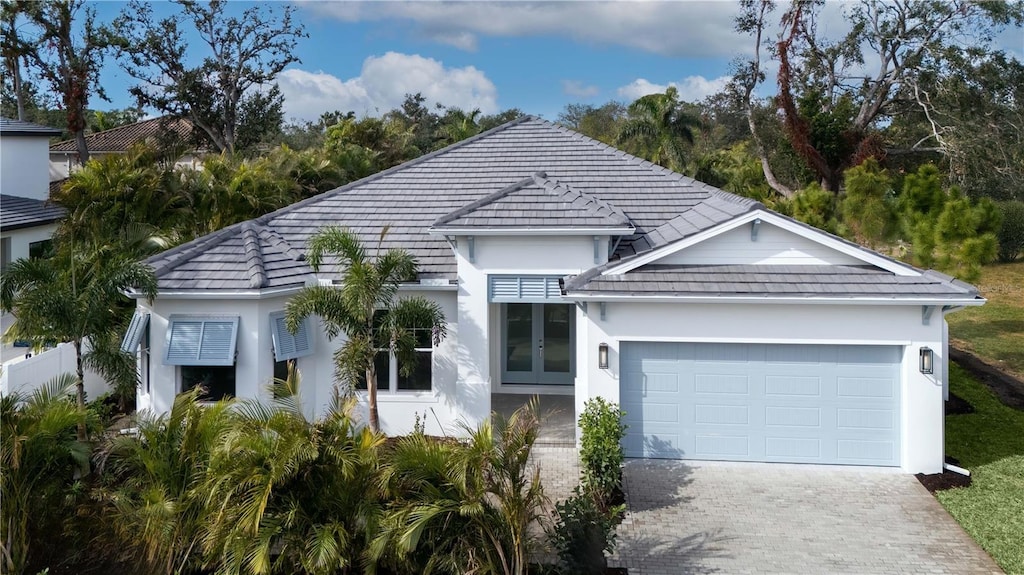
{"points": [[25, 375]]}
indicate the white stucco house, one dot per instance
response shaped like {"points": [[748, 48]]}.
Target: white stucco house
{"points": [[564, 266], [27, 220]]}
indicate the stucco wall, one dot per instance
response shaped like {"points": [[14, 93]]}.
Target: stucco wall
{"points": [[24, 166], [20, 239], [922, 403]]}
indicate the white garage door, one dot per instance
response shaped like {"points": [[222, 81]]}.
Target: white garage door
{"points": [[754, 402]]}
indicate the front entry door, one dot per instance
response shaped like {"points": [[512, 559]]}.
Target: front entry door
{"points": [[539, 343]]}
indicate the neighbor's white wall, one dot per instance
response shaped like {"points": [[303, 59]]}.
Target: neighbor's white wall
{"points": [[921, 396], [25, 375], [478, 353], [63, 164], [20, 239], [23, 166], [774, 246]]}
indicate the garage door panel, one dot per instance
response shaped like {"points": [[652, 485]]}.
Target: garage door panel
{"points": [[806, 407]]}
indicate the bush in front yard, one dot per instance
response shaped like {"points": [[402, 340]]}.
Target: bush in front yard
{"points": [[582, 532], [601, 454]]}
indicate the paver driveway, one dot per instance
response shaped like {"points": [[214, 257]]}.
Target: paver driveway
{"points": [[688, 517]]}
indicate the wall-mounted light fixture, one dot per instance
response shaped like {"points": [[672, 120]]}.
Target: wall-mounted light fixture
{"points": [[927, 360], [602, 356]]}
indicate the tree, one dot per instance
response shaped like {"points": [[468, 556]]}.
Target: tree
{"points": [[601, 123], [40, 456], [366, 308], [222, 93], [66, 50], [100, 121], [660, 126], [463, 507], [909, 40], [457, 125], [866, 208], [72, 297]]}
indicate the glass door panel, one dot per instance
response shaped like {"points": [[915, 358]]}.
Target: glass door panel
{"points": [[519, 348], [557, 351]]}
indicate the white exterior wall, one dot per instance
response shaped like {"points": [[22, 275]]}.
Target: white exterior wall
{"points": [[774, 246], [63, 164], [21, 238], [24, 166], [921, 395], [254, 365], [479, 350]]}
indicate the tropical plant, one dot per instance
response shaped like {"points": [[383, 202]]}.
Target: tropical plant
{"points": [[457, 125], [660, 126], [40, 457], [463, 507], [72, 297], [287, 495], [154, 507], [366, 308], [582, 532], [601, 455]]}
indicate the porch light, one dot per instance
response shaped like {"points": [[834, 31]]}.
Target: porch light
{"points": [[602, 356], [927, 360]]}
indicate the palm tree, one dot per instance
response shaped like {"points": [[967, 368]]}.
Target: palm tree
{"points": [[39, 455], [366, 308], [153, 498], [463, 508], [72, 297], [660, 126], [287, 495], [457, 125]]}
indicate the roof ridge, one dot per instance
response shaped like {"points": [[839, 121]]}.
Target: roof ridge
{"points": [[253, 256], [488, 199], [275, 239], [581, 195], [413, 162], [190, 248]]}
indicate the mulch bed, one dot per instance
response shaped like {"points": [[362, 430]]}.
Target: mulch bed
{"points": [[1007, 388], [946, 479], [957, 405]]}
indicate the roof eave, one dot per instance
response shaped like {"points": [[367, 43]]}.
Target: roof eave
{"points": [[772, 299], [532, 231]]}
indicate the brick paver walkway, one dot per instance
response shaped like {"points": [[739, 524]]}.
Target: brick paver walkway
{"points": [[739, 518]]}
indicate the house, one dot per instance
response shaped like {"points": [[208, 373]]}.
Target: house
{"points": [[27, 220], [160, 132], [564, 266]]}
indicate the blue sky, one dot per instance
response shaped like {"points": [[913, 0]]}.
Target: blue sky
{"points": [[536, 56]]}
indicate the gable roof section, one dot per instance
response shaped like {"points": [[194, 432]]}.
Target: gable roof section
{"points": [[18, 213], [121, 138], [9, 127], [536, 203], [807, 282], [409, 198]]}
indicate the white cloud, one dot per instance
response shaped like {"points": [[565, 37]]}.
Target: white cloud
{"points": [[667, 28], [691, 88], [382, 85], [578, 89]]}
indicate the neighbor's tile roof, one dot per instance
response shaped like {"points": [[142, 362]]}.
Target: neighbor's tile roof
{"points": [[9, 127], [536, 202], [17, 212], [411, 197], [768, 280], [122, 138]]}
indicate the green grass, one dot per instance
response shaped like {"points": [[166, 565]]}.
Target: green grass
{"points": [[989, 442], [995, 331]]}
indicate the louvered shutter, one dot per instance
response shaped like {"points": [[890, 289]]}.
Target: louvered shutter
{"points": [[136, 331], [193, 340], [524, 289], [286, 345]]}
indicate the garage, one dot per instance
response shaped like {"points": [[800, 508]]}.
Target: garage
{"points": [[828, 404]]}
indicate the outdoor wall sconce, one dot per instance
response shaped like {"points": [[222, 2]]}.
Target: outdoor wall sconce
{"points": [[927, 360], [602, 356]]}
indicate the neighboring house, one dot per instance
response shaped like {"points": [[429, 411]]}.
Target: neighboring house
{"points": [[564, 266], [159, 132], [27, 220]]}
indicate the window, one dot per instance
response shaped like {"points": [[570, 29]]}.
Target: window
{"points": [[40, 249], [5, 253], [218, 381], [389, 375]]}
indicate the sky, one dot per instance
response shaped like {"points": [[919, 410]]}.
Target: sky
{"points": [[535, 56]]}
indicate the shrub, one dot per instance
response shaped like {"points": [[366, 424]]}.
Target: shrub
{"points": [[582, 532], [816, 207], [601, 454], [1011, 233]]}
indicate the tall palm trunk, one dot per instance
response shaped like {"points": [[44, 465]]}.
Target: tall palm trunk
{"points": [[80, 389], [371, 393]]}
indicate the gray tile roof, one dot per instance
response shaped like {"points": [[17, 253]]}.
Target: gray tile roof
{"points": [[828, 281], [411, 197], [536, 202], [17, 212], [9, 127]]}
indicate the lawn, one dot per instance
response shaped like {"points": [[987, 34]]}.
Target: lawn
{"points": [[989, 442], [995, 331]]}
